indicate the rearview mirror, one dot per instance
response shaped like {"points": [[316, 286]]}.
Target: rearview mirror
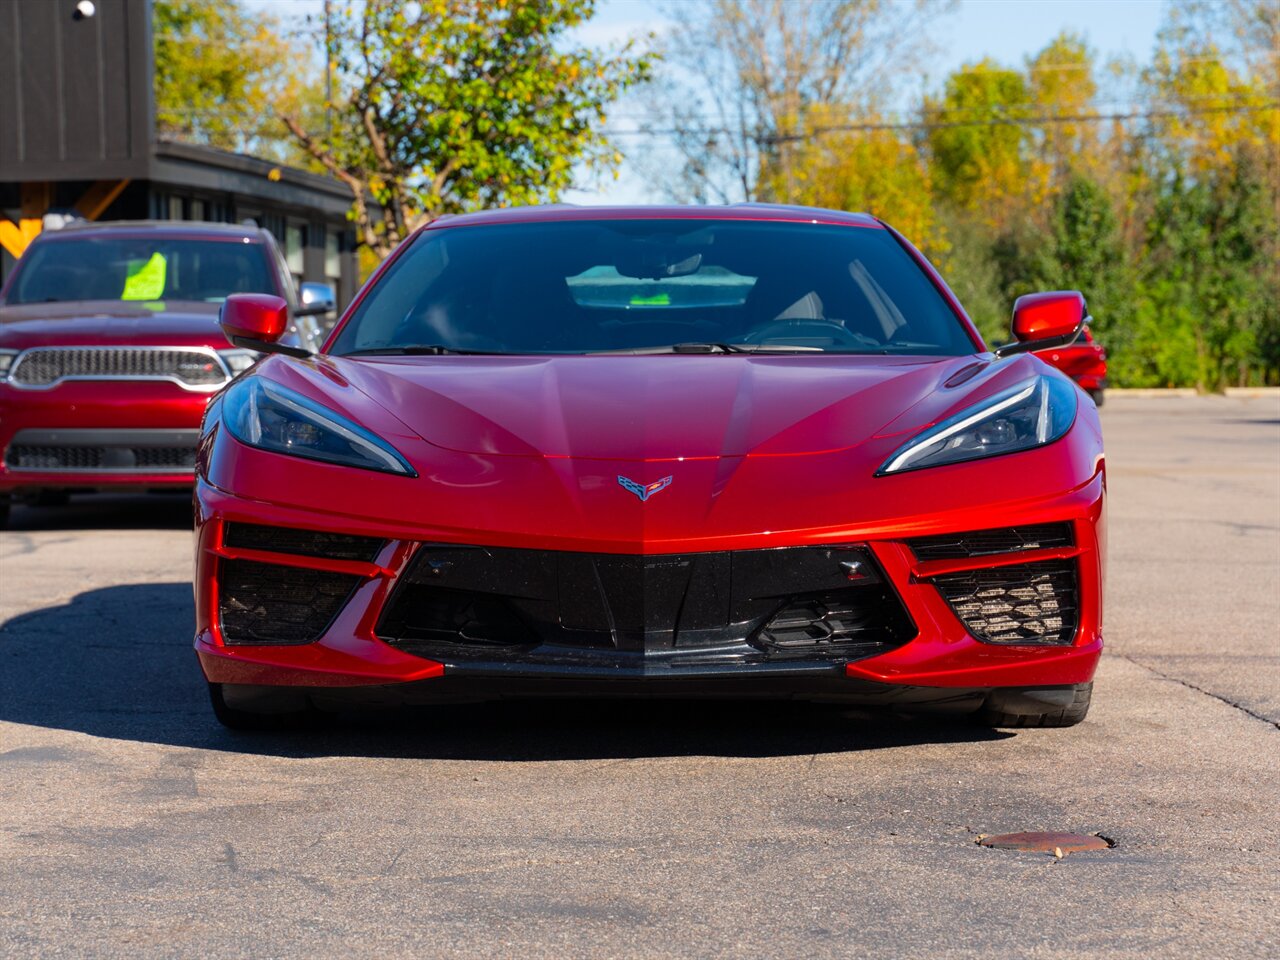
{"points": [[256, 321], [1043, 320], [317, 298]]}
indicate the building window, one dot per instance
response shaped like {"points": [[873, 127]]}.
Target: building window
{"points": [[293, 242], [197, 210], [175, 208], [332, 258]]}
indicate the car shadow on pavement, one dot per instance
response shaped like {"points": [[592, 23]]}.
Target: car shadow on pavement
{"points": [[117, 663]]}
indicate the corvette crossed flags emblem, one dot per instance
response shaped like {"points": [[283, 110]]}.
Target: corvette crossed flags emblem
{"points": [[644, 490]]}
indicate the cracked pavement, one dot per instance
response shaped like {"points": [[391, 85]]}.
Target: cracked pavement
{"points": [[132, 825]]}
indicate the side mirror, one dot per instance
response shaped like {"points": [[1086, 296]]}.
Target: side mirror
{"points": [[257, 321], [317, 298], [1042, 320]]}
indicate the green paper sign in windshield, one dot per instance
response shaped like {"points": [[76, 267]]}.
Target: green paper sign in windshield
{"points": [[146, 278]]}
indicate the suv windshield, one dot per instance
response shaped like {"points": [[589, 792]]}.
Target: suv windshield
{"points": [[587, 286], [134, 268]]}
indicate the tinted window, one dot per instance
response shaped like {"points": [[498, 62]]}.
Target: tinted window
{"points": [[125, 268], [584, 286]]}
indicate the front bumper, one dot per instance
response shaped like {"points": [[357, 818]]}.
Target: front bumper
{"points": [[937, 653], [99, 435]]}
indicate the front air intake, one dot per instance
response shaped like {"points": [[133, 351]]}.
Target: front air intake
{"points": [[305, 543], [839, 621], [267, 603], [981, 543], [1030, 603]]}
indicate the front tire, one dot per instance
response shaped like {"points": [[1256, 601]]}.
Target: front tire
{"points": [[1098, 396], [1037, 706], [240, 707]]}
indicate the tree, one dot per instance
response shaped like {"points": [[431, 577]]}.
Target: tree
{"points": [[1062, 86], [972, 272], [217, 69], [1084, 251], [874, 170], [1209, 296], [451, 105], [750, 82], [978, 141]]}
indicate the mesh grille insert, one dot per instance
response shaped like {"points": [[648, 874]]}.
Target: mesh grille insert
{"points": [[1035, 603], [306, 543], [266, 603], [27, 456], [980, 543]]}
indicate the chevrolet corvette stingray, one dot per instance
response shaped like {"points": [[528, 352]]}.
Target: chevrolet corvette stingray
{"points": [[747, 452]]}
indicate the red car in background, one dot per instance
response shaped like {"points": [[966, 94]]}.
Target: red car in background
{"points": [[110, 350], [1084, 361]]}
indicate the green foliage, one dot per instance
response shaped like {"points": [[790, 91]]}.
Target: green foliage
{"points": [[1169, 226], [1167, 223], [453, 105], [970, 269], [1083, 251], [1207, 299], [215, 66], [979, 160]]}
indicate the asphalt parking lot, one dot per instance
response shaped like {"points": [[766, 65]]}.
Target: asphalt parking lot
{"points": [[131, 824]]}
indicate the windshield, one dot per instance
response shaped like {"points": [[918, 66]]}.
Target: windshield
{"points": [[654, 285], [131, 269]]}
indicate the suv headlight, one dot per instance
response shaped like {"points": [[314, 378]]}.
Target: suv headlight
{"points": [[6, 361], [1031, 414], [265, 415]]}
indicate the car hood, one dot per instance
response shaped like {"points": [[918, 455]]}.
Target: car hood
{"points": [[110, 322], [653, 407]]}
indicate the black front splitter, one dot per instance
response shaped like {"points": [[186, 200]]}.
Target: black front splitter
{"points": [[822, 683]]}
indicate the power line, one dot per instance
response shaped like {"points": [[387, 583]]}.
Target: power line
{"points": [[926, 125], [1221, 98]]}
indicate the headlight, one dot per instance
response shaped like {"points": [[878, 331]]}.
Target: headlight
{"points": [[266, 415], [1029, 415], [6, 361], [238, 361]]}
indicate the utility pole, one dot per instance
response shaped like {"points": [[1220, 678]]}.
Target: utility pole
{"points": [[328, 75]]}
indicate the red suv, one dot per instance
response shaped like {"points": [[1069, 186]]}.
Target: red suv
{"points": [[110, 349], [1084, 361]]}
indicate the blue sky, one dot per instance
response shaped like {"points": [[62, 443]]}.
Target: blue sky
{"points": [[1006, 30]]}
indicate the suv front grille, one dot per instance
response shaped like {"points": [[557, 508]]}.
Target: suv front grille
{"points": [[267, 603], [461, 602], [1029, 603], [193, 368], [980, 543]]}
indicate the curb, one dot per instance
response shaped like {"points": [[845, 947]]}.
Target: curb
{"points": [[1161, 392], [1180, 392], [1253, 391]]}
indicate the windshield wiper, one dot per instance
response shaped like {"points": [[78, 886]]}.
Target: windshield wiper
{"points": [[420, 350], [710, 348]]}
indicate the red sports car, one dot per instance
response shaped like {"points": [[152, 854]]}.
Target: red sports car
{"points": [[110, 350], [745, 451], [1084, 361]]}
